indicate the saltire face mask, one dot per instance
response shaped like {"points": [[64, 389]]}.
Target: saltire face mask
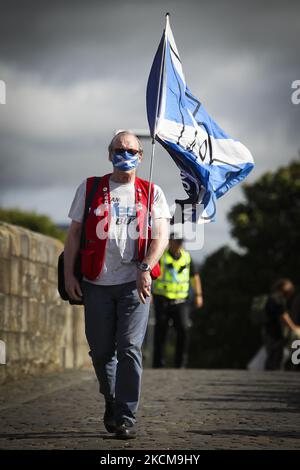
{"points": [[125, 160]]}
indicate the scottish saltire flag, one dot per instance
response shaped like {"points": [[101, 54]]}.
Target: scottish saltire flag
{"points": [[210, 161]]}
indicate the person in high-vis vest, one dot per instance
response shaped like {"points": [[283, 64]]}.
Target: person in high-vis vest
{"points": [[170, 297], [117, 274]]}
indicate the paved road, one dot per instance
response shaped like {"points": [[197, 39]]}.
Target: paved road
{"points": [[180, 409]]}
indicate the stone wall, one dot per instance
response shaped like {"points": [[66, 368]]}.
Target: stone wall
{"points": [[41, 332]]}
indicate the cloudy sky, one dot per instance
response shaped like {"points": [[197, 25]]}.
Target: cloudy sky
{"points": [[75, 71]]}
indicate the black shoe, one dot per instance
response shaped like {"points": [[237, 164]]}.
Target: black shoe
{"points": [[126, 430], [109, 417]]}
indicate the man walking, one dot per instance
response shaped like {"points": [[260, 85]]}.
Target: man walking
{"points": [[117, 274], [170, 295], [277, 317]]}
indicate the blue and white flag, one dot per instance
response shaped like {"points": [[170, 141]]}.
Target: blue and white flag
{"points": [[210, 161]]}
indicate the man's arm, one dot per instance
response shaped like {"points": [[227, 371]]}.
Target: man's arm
{"points": [[157, 246], [71, 249], [160, 240], [288, 320], [197, 288]]}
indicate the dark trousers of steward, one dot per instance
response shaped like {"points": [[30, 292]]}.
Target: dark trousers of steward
{"points": [[177, 311]]}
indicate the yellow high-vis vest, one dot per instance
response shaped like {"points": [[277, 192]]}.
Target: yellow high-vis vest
{"points": [[174, 279]]}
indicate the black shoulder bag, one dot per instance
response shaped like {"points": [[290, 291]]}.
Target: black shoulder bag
{"points": [[77, 265]]}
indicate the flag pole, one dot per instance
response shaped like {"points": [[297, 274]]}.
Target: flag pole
{"points": [[153, 137]]}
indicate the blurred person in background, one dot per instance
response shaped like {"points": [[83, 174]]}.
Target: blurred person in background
{"points": [[277, 318], [171, 301], [295, 314]]}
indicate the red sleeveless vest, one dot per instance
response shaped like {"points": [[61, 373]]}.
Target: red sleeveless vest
{"points": [[97, 226]]}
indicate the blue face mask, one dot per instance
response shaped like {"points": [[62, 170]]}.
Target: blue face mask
{"points": [[125, 161]]}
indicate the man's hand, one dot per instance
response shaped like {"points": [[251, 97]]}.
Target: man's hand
{"points": [[143, 284], [73, 287], [198, 301], [297, 332]]}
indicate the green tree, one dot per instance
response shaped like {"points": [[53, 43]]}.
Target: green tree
{"points": [[33, 221], [223, 335], [267, 228], [267, 225]]}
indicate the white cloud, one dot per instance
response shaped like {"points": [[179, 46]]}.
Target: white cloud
{"points": [[39, 110], [82, 71]]}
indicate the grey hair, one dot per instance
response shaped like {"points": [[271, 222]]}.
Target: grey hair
{"points": [[111, 145]]}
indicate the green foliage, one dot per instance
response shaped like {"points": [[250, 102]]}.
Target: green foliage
{"points": [[267, 227], [33, 221], [223, 335]]}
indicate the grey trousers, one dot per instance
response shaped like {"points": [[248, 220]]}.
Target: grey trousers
{"points": [[115, 326]]}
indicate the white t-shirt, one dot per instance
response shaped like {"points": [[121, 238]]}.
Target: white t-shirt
{"points": [[119, 266]]}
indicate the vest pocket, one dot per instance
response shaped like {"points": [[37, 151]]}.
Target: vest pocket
{"points": [[88, 257], [155, 272]]}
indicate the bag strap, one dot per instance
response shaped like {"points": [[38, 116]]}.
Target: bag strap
{"points": [[88, 200]]}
